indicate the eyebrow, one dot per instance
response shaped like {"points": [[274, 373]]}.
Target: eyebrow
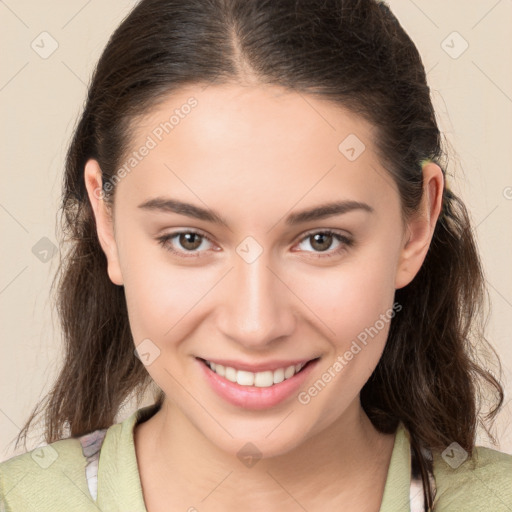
{"points": [[197, 212]]}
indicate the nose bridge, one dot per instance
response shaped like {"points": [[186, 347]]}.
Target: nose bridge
{"points": [[257, 307]]}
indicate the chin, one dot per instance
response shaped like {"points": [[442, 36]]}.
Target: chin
{"points": [[267, 439]]}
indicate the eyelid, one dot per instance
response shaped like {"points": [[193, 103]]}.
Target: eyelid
{"points": [[340, 233]]}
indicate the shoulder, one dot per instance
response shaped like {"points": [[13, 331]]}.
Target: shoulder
{"points": [[65, 475], [482, 482], [50, 477]]}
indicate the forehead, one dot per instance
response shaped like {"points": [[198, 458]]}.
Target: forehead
{"points": [[254, 116], [256, 143]]}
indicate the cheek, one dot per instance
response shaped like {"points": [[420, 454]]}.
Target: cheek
{"points": [[349, 298], [357, 303], [160, 296]]}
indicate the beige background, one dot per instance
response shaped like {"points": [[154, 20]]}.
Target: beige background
{"points": [[41, 97]]}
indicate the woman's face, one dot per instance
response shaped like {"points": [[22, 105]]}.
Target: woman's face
{"points": [[254, 177]]}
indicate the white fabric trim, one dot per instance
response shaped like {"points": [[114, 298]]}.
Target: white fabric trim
{"points": [[91, 447]]}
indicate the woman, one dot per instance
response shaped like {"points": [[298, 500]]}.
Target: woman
{"points": [[260, 226]]}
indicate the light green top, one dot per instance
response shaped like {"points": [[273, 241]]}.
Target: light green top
{"points": [[52, 478]]}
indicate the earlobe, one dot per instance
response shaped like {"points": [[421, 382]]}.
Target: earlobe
{"points": [[104, 221], [420, 228]]}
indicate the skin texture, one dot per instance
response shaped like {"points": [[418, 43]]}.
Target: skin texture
{"points": [[256, 154]]}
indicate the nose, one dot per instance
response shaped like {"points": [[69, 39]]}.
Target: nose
{"points": [[257, 305]]}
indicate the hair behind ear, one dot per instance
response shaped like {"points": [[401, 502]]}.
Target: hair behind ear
{"points": [[432, 344]]}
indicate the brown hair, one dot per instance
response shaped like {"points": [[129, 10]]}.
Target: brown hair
{"points": [[351, 52]]}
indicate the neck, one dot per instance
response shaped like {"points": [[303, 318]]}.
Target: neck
{"points": [[348, 460]]}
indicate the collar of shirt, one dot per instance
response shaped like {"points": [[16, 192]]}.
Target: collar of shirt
{"points": [[119, 486]]}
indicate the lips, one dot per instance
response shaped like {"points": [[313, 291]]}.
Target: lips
{"points": [[250, 396]]}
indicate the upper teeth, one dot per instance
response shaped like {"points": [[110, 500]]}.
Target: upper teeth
{"points": [[259, 379]]}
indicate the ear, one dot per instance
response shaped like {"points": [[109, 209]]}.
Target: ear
{"points": [[420, 228], [104, 220]]}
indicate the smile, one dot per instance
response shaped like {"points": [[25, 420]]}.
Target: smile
{"points": [[256, 390], [263, 379]]}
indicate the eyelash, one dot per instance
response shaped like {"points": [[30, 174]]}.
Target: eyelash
{"points": [[346, 242]]}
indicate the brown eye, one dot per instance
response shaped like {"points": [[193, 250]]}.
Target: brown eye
{"points": [[184, 243], [321, 241], [189, 241]]}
